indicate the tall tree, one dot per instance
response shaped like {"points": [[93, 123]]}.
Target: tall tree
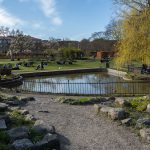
{"points": [[137, 5], [134, 44], [113, 30]]}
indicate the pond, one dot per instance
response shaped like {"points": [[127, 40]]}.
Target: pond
{"points": [[91, 83]]}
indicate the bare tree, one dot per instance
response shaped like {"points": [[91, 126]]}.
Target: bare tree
{"points": [[134, 4]]}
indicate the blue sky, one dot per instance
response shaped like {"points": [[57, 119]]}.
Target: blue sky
{"points": [[73, 19]]}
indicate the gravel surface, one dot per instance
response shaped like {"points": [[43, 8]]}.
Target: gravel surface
{"points": [[80, 129]]}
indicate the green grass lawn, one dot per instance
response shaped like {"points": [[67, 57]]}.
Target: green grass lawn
{"points": [[54, 66]]}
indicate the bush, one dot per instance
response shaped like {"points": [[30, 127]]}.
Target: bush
{"points": [[80, 101], [4, 138], [18, 119], [140, 103], [4, 147], [35, 136]]}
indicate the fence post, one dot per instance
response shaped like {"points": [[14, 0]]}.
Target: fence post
{"points": [[68, 87]]}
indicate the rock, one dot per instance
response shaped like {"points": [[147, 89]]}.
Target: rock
{"points": [[23, 112], [41, 127], [44, 129], [108, 103], [146, 97], [145, 134], [27, 99], [3, 107], [15, 103], [6, 118], [102, 99], [105, 109], [148, 108], [49, 141], [127, 121], [3, 124], [14, 108], [97, 108], [142, 121], [111, 98], [24, 144], [18, 133], [30, 117], [117, 114], [38, 122], [44, 111], [121, 102]]}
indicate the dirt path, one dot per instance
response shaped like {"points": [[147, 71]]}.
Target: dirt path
{"points": [[80, 129]]}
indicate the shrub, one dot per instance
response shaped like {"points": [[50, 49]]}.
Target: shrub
{"points": [[35, 136], [140, 103], [4, 138], [18, 119], [4, 147]]}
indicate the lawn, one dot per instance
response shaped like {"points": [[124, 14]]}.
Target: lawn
{"points": [[54, 66]]}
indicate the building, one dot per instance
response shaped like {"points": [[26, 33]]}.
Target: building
{"points": [[105, 54]]}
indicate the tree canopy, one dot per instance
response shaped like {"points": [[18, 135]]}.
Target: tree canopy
{"points": [[134, 44]]}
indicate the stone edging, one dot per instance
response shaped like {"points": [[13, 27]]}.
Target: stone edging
{"points": [[61, 72], [117, 73], [11, 82]]}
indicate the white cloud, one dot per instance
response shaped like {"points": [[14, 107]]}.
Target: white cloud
{"points": [[7, 19], [56, 21], [49, 9]]}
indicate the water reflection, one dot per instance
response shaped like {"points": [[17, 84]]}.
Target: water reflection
{"points": [[96, 83]]}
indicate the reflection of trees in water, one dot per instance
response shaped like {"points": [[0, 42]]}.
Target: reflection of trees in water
{"points": [[100, 85], [128, 88]]}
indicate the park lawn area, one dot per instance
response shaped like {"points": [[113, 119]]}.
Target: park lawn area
{"points": [[79, 64], [53, 66]]}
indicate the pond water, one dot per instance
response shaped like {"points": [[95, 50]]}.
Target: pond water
{"points": [[91, 83]]}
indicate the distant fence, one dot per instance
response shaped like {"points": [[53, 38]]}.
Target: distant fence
{"points": [[68, 88]]}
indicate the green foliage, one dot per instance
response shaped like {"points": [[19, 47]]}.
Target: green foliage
{"points": [[4, 147], [134, 45], [18, 119], [140, 103], [4, 138], [35, 136], [80, 101]]}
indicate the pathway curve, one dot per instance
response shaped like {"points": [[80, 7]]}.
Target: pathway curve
{"points": [[80, 129]]}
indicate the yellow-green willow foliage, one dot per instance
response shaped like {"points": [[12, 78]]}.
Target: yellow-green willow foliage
{"points": [[135, 41]]}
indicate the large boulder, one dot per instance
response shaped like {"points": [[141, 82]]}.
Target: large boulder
{"points": [[27, 99], [41, 127], [117, 114], [97, 108], [3, 107], [145, 134], [121, 102], [142, 121], [23, 112], [50, 141], [148, 108], [3, 124], [18, 133], [22, 144], [105, 109], [30, 117], [15, 103], [6, 118], [127, 121]]}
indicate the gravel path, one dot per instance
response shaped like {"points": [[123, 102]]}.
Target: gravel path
{"points": [[80, 129]]}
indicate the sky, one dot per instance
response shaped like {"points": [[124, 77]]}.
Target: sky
{"points": [[72, 19]]}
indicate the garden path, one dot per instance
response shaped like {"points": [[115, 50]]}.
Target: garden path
{"points": [[80, 129]]}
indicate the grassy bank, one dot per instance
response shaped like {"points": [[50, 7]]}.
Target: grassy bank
{"points": [[79, 64]]}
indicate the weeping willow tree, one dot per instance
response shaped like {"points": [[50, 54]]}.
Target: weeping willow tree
{"points": [[135, 41]]}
